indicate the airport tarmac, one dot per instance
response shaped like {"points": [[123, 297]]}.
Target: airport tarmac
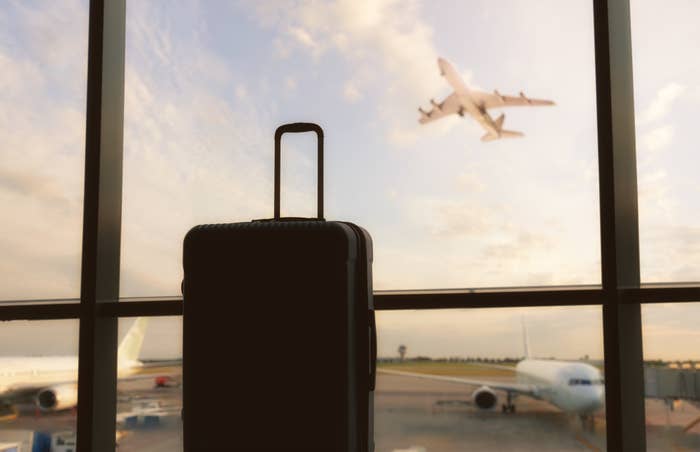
{"points": [[423, 415], [409, 413], [167, 436]]}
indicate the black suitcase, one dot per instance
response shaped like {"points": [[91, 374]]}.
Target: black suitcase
{"points": [[279, 341]]}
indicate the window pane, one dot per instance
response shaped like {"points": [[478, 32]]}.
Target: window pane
{"points": [[206, 85], [672, 380], [667, 104], [149, 392], [443, 378], [38, 382], [43, 61]]}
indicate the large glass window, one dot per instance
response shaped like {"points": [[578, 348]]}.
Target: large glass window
{"points": [[451, 202], [149, 391], [38, 377], [672, 375], [444, 379], [667, 101], [43, 61], [206, 85]]}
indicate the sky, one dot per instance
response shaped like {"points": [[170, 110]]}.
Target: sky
{"points": [[208, 82]]}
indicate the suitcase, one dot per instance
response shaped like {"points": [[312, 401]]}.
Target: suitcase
{"points": [[279, 340]]}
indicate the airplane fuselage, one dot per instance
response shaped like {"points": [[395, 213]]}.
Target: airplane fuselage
{"points": [[20, 371], [475, 103], [571, 386], [479, 113], [51, 381]]}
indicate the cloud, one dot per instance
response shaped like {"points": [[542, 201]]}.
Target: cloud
{"points": [[37, 186], [470, 182], [657, 138], [304, 38], [192, 155], [290, 84], [669, 251], [43, 54], [520, 247], [241, 91], [662, 103], [385, 41], [447, 218], [351, 93]]}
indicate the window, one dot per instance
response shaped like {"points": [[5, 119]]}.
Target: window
{"points": [[445, 209], [667, 98], [450, 382], [177, 113], [42, 355], [671, 374], [43, 56], [149, 402]]}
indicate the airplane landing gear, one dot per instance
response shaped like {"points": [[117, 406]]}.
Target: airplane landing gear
{"points": [[508, 407]]}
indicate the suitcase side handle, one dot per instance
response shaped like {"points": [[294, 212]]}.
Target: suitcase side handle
{"points": [[372, 351], [299, 127]]}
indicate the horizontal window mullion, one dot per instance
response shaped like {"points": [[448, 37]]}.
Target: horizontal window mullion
{"points": [[53, 311], [660, 295], [154, 308], [456, 300]]}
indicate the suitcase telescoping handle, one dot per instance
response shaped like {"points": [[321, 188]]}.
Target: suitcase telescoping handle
{"points": [[299, 127]]}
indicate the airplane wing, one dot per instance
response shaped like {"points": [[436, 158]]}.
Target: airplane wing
{"points": [[498, 100], [524, 389], [449, 106]]}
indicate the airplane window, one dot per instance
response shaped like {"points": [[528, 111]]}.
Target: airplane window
{"points": [[451, 198], [667, 103], [43, 55]]}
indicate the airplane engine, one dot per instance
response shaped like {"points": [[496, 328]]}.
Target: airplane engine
{"points": [[60, 397], [485, 398]]}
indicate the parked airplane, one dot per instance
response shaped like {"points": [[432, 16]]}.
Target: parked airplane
{"points": [[51, 381], [573, 387], [475, 103]]}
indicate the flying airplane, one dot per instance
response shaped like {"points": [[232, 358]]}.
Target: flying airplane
{"points": [[476, 103], [50, 382], [573, 387]]}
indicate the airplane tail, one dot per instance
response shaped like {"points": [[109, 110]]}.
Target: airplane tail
{"points": [[130, 347], [526, 339], [499, 121]]}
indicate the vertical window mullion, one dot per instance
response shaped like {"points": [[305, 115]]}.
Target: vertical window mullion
{"points": [[619, 226], [97, 365]]}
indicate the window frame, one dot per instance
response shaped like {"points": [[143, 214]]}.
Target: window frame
{"points": [[620, 295]]}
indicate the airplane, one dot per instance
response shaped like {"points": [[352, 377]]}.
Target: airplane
{"points": [[51, 382], [476, 103], [573, 387]]}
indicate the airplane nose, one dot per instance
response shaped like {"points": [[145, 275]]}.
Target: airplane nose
{"points": [[601, 396], [591, 400], [597, 398]]}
